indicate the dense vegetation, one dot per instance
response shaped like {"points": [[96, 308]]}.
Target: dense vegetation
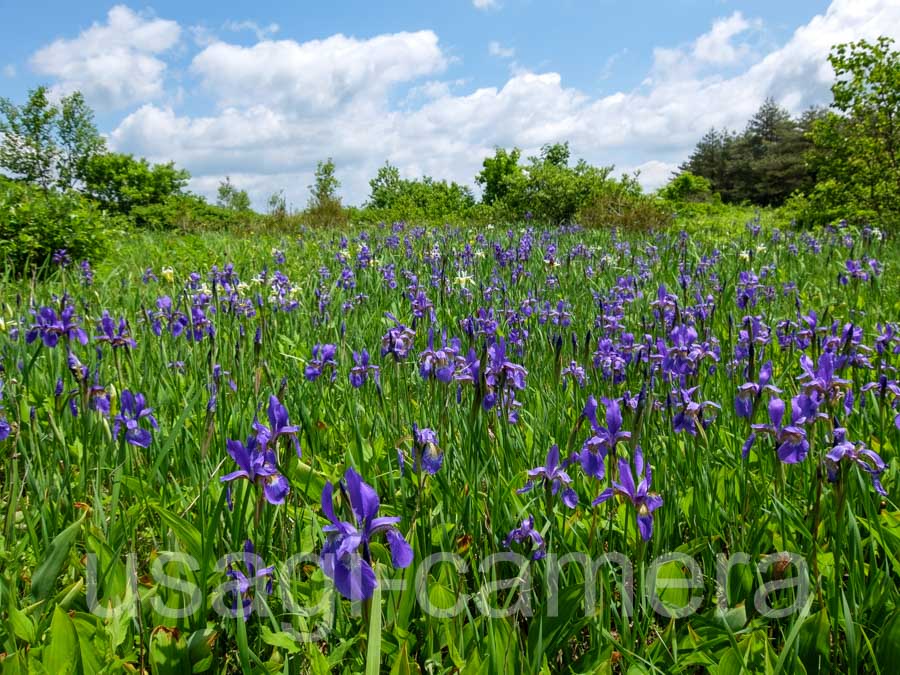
{"points": [[825, 166], [201, 392]]}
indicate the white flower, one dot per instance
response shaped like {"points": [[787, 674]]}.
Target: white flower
{"points": [[464, 279], [168, 274], [744, 255]]}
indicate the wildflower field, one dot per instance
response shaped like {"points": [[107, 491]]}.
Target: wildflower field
{"points": [[443, 450]]}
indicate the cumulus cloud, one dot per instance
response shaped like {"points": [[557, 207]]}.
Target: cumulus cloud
{"points": [[114, 64], [486, 4], [318, 75], [284, 105], [715, 49], [498, 50]]}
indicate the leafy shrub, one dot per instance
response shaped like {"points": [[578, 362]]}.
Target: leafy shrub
{"points": [[625, 210], [126, 185], [549, 189], [326, 213], [689, 188], [188, 212], [34, 223], [828, 202]]}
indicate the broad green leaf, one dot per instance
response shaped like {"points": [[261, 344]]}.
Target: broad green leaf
{"points": [[61, 655], [44, 578]]}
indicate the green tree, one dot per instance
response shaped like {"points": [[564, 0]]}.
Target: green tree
{"points": [[556, 154], [324, 190], [48, 144], [711, 159], [386, 188], [277, 205], [28, 150], [324, 208], [858, 146], [498, 173], [417, 198], [776, 147], [763, 165], [78, 141], [121, 183], [231, 198]]}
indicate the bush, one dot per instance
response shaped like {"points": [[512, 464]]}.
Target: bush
{"points": [[326, 212], [188, 212], [35, 223], [626, 210], [125, 185], [687, 188], [827, 203]]}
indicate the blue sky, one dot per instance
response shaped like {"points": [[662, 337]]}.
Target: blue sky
{"points": [[261, 93]]}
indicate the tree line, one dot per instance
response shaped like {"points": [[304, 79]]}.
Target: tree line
{"points": [[841, 162], [818, 167]]}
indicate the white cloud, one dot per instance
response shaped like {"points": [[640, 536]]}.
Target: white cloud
{"points": [[114, 64], [9, 70], [319, 75], [498, 50], [284, 105], [715, 49], [261, 32], [486, 4], [653, 174]]}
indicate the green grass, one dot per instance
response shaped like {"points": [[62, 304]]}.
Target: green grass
{"points": [[72, 493]]}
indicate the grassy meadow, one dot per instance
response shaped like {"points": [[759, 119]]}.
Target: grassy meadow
{"points": [[309, 452]]}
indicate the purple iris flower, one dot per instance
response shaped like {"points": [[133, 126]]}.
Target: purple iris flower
{"points": [[257, 579], [867, 460], [132, 409], [822, 377], [644, 501], [603, 439], [5, 429], [574, 371], [361, 369], [439, 363], [280, 425], [553, 476], [50, 326], [323, 358], [501, 373], [115, 335], [750, 392], [793, 445], [422, 307], [467, 367], [397, 341], [87, 274], [61, 257], [341, 559], [426, 448], [257, 464], [526, 533], [690, 417]]}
